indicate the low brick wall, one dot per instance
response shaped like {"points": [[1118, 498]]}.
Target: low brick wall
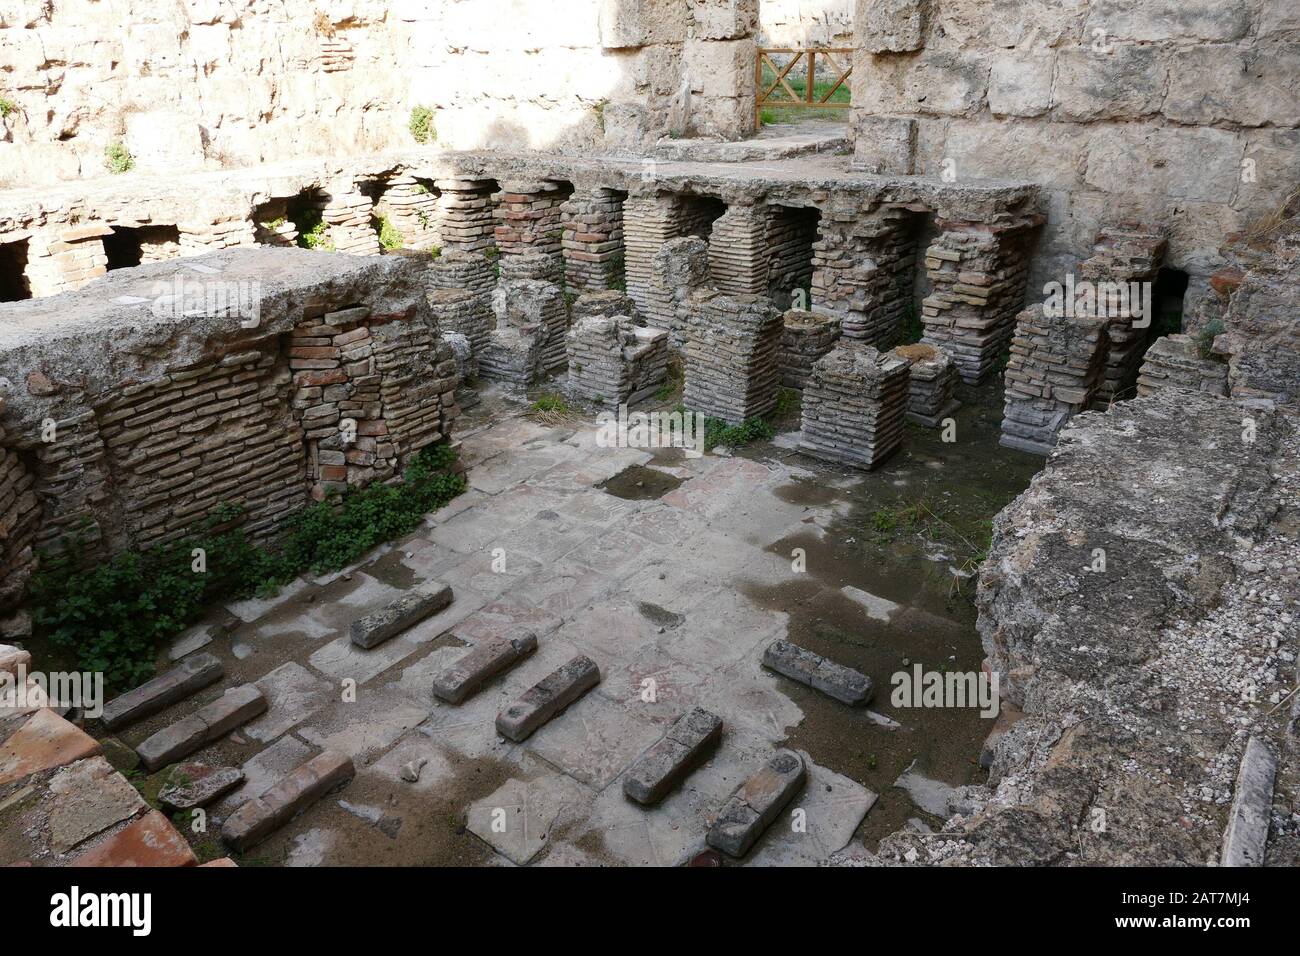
{"points": [[132, 408]]}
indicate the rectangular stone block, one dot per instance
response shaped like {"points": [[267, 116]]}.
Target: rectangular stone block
{"points": [[889, 26], [1246, 837], [260, 817], [488, 657], [411, 608], [834, 680], [756, 803], [687, 742], [236, 706], [547, 698], [152, 696]]}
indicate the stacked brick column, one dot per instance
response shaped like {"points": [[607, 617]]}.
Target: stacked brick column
{"points": [[196, 238], [683, 267], [978, 274], [854, 406], [648, 223], [614, 361], [863, 264], [732, 347], [529, 339], [465, 216], [348, 214], [593, 240], [66, 258], [1123, 254], [739, 254], [931, 381], [528, 221], [457, 269], [805, 337], [1055, 367]]}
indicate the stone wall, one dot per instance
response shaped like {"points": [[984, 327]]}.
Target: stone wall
{"points": [[220, 85], [271, 377], [1184, 113], [1137, 606], [800, 23]]}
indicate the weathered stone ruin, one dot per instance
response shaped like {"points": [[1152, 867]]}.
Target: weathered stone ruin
{"points": [[854, 405], [805, 337], [292, 389], [732, 345], [614, 361], [1174, 361], [931, 381], [501, 200]]}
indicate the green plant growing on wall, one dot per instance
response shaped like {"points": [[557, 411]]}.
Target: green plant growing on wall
{"points": [[1206, 336], [118, 159], [389, 237], [314, 232], [7, 106], [112, 615], [421, 125]]}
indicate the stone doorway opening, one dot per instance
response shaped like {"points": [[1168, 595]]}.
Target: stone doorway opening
{"points": [[14, 285]]}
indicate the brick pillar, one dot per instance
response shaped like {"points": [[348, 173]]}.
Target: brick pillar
{"points": [[66, 258], [863, 264], [1123, 254], [529, 221], [593, 240], [649, 222], [196, 238], [738, 250], [978, 272], [465, 219], [349, 215]]}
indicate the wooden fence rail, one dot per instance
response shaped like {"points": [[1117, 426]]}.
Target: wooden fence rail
{"points": [[766, 93]]}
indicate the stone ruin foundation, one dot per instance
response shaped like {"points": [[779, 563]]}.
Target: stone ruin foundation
{"points": [[805, 337], [614, 361], [931, 382], [1175, 361], [854, 405], [339, 381], [732, 347]]}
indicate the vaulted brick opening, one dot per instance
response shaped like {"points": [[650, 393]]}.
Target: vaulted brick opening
{"points": [[697, 214], [13, 271], [128, 246], [272, 225], [791, 233], [1168, 295]]}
